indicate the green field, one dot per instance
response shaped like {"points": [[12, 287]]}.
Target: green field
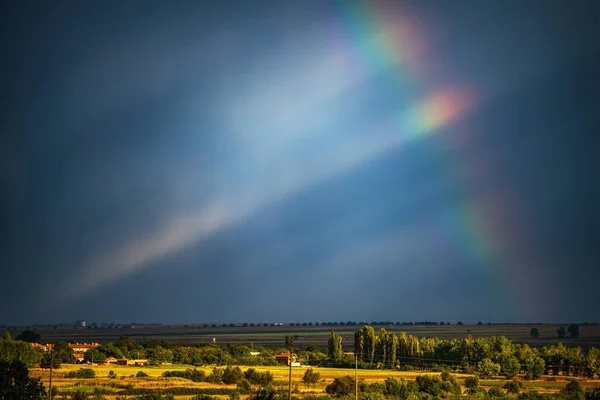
{"points": [[274, 336]]}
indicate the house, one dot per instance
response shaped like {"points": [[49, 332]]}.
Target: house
{"points": [[284, 358], [122, 361], [44, 347], [83, 347], [110, 360], [78, 357]]}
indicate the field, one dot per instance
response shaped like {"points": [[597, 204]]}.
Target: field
{"points": [[125, 378], [317, 335]]}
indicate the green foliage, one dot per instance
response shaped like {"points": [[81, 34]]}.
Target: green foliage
{"points": [[514, 386], [510, 367], [15, 383], [94, 356], [495, 392], [216, 376], [334, 347], [18, 350], [82, 373], [534, 333], [264, 394], [193, 375], [61, 353], [368, 336], [341, 386], [487, 368], [472, 384], [429, 384], [6, 335], [232, 375], [141, 374], [534, 367], [311, 377], [399, 388], [244, 386], [573, 391], [258, 378]]}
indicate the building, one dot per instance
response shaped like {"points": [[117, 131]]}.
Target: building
{"points": [[83, 347], [284, 358]]}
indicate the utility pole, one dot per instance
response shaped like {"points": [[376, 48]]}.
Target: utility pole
{"points": [[290, 342], [355, 376], [51, 365]]}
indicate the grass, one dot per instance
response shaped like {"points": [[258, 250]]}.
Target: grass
{"points": [[154, 381]]}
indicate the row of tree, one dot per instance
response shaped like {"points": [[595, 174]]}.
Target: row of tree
{"points": [[488, 356]]}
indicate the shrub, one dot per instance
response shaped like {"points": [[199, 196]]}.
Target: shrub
{"points": [[311, 377], [495, 392], [487, 368], [341, 386], [429, 384], [232, 375], [216, 376], [513, 386], [141, 374], [81, 373], [244, 386], [472, 384]]}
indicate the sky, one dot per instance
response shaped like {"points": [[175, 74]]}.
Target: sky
{"points": [[299, 161]]}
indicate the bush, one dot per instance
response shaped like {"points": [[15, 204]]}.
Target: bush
{"points": [[244, 386], [311, 377], [232, 375], [495, 392], [513, 386], [341, 386], [472, 384], [429, 384], [258, 378], [487, 368], [141, 374], [81, 373], [216, 376]]}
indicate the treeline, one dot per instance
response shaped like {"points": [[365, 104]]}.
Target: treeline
{"points": [[200, 354], [487, 356]]}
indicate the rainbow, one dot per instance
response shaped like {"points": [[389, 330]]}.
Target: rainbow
{"points": [[378, 39]]}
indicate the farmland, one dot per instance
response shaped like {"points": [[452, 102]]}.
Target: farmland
{"points": [[315, 335], [126, 379]]}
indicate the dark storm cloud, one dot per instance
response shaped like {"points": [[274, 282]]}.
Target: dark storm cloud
{"points": [[196, 162]]}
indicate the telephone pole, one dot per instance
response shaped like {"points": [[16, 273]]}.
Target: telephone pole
{"points": [[51, 365], [355, 376], [290, 342]]}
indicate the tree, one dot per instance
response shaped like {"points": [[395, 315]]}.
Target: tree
{"points": [[561, 332], [6, 335], [341, 386], [368, 334], [15, 383], [311, 377], [534, 333], [232, 375], [94, 356], [573, 331], [358, 344], [510, 367], [334, 347], [29, 336], [487, 368], [472, 384], [534, 367], [59, 354]]}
